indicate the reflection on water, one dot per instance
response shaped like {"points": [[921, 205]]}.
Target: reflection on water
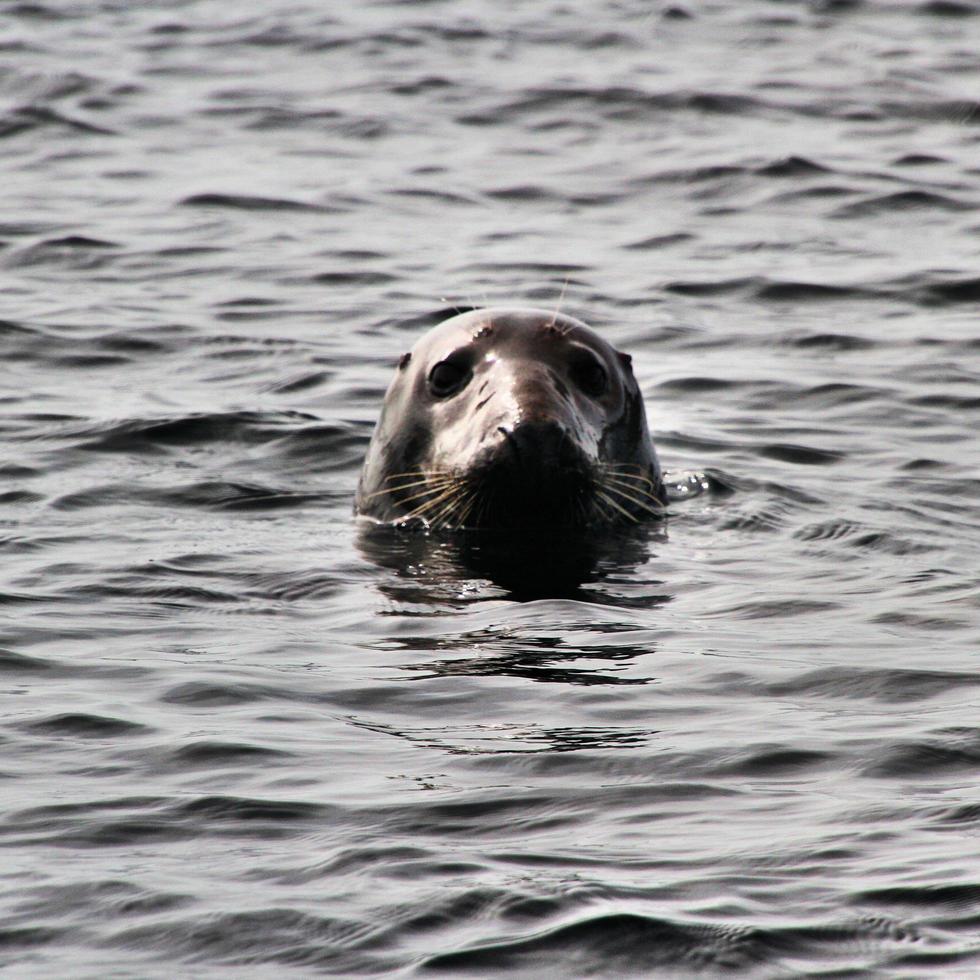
{"points": [[526, 565]]}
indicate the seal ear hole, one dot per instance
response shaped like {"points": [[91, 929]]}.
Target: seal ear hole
{"points": [[588, 374], [448, 377]]}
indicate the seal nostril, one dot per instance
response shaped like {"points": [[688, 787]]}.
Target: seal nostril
{"points": [[540, 443]]}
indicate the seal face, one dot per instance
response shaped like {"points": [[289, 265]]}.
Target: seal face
{"points": [[512, 418]]}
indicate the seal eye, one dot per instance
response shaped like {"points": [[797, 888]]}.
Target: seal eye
{"points": [[448, 377], [589, 374]]}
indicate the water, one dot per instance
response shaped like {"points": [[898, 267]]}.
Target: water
{"points": [[243, 739]]}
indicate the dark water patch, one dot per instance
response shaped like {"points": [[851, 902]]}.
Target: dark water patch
{"points": [[93, 361], [837, 394], [205, 494], [716, 287], [660, 241], [105, 900], [72, 251], [353, 859], [138, 343], [19, 497], [958, 814], [11, 598], [148, 435], [559, 271], [359, 277], [956, 403], [29, 119], [97, 824], [17, 471], [324, 448], [170, 595], [692, 175], [304, 381], [946, 291], [957, 896], [807, 291], [208, 754], [696, 385], [617, 944], [948, 752], [918, 160], [25, 937], [481, 818], [774, 761], [916, 621], [240, 809], [804, 195], [246, 202], [16, 331], [827, 530], [792, 166], [800, 455], [828, 340], [892, 543], [82, 725], [781, 608], [419, 322], [433, 194], [344, 125], [891, 686], [76, 241], [948, 8], [297, 586], [201, 694], [290, 938], [248, 301], [189, 251], [221, 495], [903, 201], [525, 194], [620, 103], [19, 663], [692, 444]]}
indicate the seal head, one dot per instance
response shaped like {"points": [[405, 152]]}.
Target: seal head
{"points": [[512, 418]]}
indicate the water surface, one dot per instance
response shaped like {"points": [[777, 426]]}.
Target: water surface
{"points": [[241, 739]]}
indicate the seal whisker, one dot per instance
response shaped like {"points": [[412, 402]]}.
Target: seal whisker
{"points": [[444, 502], [561, 297], [442, 493], [419, 474], [443, 505], [640, 486], [651, 506], [437, 501], [467, 507], [431, 486], [628, 491], [454, 507], [598, 507], [629, 472], [612, 503]]}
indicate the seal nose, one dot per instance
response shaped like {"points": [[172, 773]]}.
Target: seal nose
{"points": [[538, 444]]}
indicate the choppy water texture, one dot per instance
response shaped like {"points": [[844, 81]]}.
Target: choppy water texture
{"points": [[240, 740]]}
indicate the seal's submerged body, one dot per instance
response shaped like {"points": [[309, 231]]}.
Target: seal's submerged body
{"points": [[512, 418]]}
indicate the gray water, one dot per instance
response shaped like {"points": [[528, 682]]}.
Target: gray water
{"points": [[241, 739]]}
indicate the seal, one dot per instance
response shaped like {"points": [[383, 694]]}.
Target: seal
{"points": [[512, 418]]}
